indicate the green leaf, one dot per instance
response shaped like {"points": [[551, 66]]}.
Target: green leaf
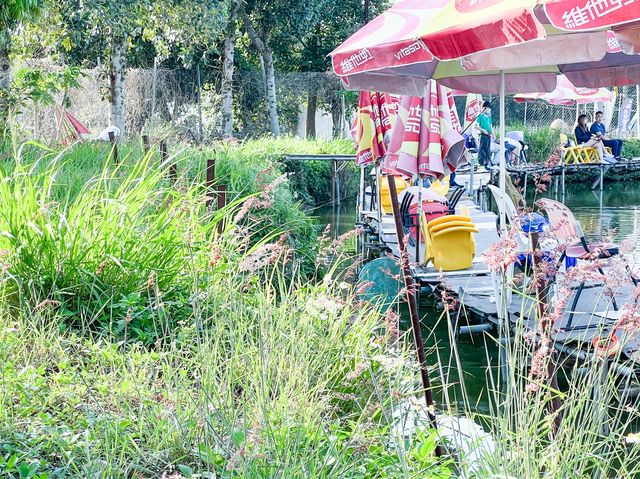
{"points": [[186, 470]]}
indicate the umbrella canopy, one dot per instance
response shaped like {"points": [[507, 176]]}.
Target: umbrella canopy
{"points": [[566, 93], [376, 115], [413, 41], [426, 140]]}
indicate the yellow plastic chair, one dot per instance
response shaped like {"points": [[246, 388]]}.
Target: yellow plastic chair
{"points": [[441, 187], [452, 249], [385, 192], [448, 218], [449, 242], [579, 154]]}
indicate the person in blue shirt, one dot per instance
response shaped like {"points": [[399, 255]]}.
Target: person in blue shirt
{"points": [[598, 129], [586, 139]]}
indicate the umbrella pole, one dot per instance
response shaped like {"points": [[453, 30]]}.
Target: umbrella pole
{"points": [[503, 161], [378, 199], [410, 294], [361, 200], [418, 220]]}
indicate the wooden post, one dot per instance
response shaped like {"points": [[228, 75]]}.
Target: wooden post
{"points": [[163, 151], [145, 144], [222, 201], [410, 295], [164, 158], [114, 146], [211, 177]]}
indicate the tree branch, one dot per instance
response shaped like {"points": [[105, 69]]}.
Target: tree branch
{"points": [[255, 38]]}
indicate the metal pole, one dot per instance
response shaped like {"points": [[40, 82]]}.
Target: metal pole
{"points": [[337, 184], [361, 195], [418, 220], [410, 294], [153, 92], [525, 114], [638, 111], [378, 197], [333, 184], [503, 162], [200, 129]]}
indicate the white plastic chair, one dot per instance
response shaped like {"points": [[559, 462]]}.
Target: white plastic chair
{"points": [[522, 245]]}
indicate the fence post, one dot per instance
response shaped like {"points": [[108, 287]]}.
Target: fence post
{"points": [[222, 201], [164, 157], [145, 144], [114, 146], [163, 151], [211, 177]]}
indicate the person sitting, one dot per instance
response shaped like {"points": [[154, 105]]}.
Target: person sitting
{"points": [[598, 129], [586, 139]]}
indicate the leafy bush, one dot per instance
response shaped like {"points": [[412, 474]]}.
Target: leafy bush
{"points": [[631, 148], [101, 254]]}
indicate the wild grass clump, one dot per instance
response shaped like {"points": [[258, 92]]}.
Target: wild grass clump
{"points": [[262, 377]]}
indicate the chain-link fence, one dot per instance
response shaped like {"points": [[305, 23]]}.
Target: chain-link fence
{"points": [[163, 101], [620, 114]]}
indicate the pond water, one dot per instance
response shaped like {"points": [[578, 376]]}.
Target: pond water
{"points": [[614, 211]]}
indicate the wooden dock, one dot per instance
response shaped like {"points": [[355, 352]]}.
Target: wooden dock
{"points": [[473, 289]]}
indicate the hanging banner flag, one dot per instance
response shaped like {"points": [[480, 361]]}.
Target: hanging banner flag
{"points": [[624, 116], [472, 109]]}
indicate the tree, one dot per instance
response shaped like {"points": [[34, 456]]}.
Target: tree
{"points": [[126, 32], [12, 13], [327, 24], [231, 32], [260, 38]]}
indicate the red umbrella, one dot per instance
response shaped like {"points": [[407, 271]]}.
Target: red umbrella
{"points": [[566, 93], [506, 46], [426, 140], [416, 40], [376, 115]]}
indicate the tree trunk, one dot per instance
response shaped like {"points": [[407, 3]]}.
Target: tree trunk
{"points": [[227, 73], [5, 81], [266, 56], [117, 85], [336, 115], [200, 126], [272, 101], [312, 107]]}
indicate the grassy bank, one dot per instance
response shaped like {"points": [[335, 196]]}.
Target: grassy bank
{"points": [[137, 339], [246, 169]]}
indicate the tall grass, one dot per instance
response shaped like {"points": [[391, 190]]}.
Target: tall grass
{"points": [[138, 341], [294, 386], [579, 427]]}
